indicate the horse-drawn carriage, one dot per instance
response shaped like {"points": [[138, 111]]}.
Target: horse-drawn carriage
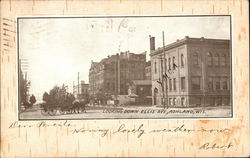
{"points": [[63, 108]]}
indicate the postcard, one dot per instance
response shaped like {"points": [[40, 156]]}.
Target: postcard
{"points": [[124, 78]]}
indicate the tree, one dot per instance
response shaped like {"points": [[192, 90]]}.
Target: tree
{"points": [[32, 99], [58, 96], [24, 85], [46, 97]]}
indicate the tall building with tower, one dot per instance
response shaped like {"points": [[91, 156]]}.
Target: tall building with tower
{"points": [[192, 72]]}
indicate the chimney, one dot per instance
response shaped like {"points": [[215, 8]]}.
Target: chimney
{"points": [[152, 43]]}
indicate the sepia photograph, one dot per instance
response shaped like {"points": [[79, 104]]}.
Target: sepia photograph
{"points": [[124, 67]]}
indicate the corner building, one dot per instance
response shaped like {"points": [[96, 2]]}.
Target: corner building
{"points": [[193, 72], [113, 75]]}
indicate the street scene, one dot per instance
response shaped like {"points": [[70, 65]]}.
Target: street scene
{"points": [[124, 67]]}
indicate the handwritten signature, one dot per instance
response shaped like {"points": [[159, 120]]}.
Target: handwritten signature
{"points": [[208, 146]]}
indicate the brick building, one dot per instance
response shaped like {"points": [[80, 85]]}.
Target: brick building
{"points": [[194, 72], [113, 74]]}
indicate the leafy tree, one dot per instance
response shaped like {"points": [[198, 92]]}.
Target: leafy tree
{"points": [[58, 96], [24, 88], [46, 97], [32, 99]]}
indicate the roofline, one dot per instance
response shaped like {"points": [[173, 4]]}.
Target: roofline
{"points": [[185, 41]]}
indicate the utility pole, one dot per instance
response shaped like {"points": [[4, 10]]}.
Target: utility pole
{"points": [[164, 71]]}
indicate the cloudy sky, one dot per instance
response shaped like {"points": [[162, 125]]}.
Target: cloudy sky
{"points": [[58, 48]]}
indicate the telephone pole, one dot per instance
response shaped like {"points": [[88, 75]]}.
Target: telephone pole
{"points": [[164, 71]]}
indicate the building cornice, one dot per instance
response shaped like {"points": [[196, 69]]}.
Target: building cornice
{"points": [[187, 40]]}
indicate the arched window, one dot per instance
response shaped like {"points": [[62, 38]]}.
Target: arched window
{"points": [[209, 59], [223, 60], [195, 58], [216, 59]]}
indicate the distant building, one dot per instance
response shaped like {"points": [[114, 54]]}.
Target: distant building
{"points": [[112, 75], [194, 72], [81, 91], [141, 90], [148, 70]]}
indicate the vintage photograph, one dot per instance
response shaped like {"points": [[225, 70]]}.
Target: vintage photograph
{"points": [[124, 67]]}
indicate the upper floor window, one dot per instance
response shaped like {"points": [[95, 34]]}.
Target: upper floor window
{"points": [[210, 83], [169, 63], [173, 62], [166, 86], [182, 60], [209, 59], [196, 83], [161, 64], [195, 58], [155, 67], [217, 83], [216, 59], [170, 84], [182, 83], [223, 60], [166, 64], [174, 80], [224, 84]]}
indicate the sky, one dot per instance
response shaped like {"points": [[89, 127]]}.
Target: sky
{"points": [[58, 48]]}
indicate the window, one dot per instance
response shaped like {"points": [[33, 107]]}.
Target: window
{"points": [[223, 60], [196, 83], [182, 60], [195, 59], [210, 83], [209, 59], [217, 83], [174, 101], [170, 84], [182, 101], [216, 59], [161, 65], [170, 101], [224, 84], [166, 85], [182, 83], [173, 62], [166, 64], [169, 63], [174, 80], [155, 67], [197, 100]]}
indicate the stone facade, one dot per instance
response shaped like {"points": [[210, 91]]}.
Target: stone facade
{"points": [[195, 72], [113, 75]]}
